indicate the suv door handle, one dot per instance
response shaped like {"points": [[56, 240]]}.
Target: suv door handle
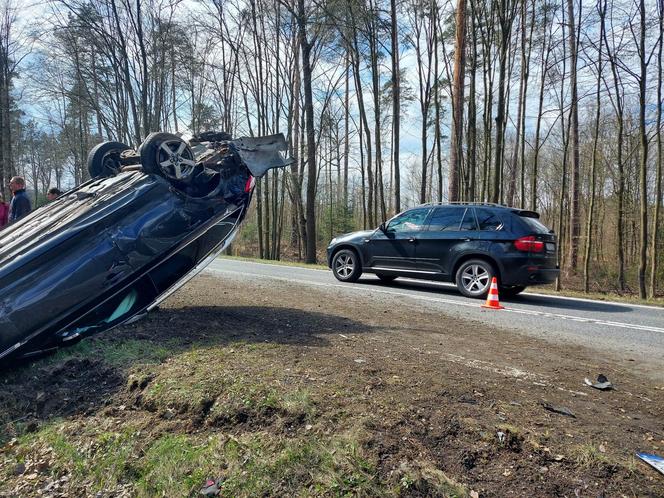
{"points": [[411, 240]]}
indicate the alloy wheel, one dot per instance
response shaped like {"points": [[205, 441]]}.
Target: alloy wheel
{"points": [[344, 265], [475, 279]]}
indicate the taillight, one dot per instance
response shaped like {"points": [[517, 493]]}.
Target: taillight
{"points": [[250, 184], [529, 244]]}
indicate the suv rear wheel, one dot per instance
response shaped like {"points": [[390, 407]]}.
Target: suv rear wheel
{"points": [[104, 159], [346, 266], [473, 278]]}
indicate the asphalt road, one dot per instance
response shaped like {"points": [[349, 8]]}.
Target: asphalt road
{"points": [[629, 330]]}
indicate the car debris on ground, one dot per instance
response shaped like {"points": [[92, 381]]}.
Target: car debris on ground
{"points": [[558, 409], [655, 461], [603, 384]]}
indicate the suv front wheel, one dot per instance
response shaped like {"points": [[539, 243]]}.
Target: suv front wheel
{"points": [[473, 278], [346, 266]]}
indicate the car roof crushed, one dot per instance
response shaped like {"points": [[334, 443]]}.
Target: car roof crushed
{"points": [[66, 212]]}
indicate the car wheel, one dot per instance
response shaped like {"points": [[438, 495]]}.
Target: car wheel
{"points": [[511, 290], [168, 155], [104, 159], [473, 278], [346, 266], [386, 278]]}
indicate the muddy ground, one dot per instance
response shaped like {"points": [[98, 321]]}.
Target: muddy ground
{"points": [[280, 390]]}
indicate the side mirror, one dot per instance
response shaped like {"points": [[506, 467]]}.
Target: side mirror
{"points": [[381, 227]]}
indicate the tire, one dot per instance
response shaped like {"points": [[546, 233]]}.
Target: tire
{"points": [[346, 266], [473, 278], [104, 159], [169, 156], [386, 278], [511, 290]]}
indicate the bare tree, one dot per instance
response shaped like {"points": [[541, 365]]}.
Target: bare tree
{"points": [[601, 8], [456, 136], [658, 174]]}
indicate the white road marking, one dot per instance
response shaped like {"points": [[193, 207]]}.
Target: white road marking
{"points": [[452, 301], [448, 285], [452, 286]]}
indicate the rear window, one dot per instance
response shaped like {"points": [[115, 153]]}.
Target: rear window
{"points": [[535, 225], [487, 219]]}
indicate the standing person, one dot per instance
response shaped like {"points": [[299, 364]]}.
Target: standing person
{"points": [[53, 193], [4, 212], [20, 204]]}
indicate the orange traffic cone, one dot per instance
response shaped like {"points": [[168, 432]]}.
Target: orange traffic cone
{"points": [[492, 298]]}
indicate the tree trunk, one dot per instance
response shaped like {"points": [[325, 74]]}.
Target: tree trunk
{"points": [[472, 120], [396, 105], [456, 135], [593, 165], [658, 175], [309, 125], [643, 166], [346, 130], [375, 81], [575, 189], [546, 51], [621, 167], [506, 17]]}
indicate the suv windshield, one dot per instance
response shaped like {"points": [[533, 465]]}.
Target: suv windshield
{"points": [[408, 221]]}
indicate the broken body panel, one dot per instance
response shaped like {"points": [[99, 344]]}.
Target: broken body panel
{"points": [[113, 248]]}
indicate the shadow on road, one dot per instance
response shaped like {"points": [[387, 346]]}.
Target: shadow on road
{"points": [[552, 303]]}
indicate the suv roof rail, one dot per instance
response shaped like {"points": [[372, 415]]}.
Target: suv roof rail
{"points": [[463, 203]]}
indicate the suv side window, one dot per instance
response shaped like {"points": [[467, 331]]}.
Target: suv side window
{"points": [[487, 219], [445, 219], [409, 221]]}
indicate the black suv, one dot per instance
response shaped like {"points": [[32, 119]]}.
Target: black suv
{"points": [[466, 243]]}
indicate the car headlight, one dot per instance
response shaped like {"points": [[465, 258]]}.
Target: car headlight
{"points": [[333, 241]]}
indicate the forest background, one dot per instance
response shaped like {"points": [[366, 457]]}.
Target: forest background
{"points": [[549, 105]]}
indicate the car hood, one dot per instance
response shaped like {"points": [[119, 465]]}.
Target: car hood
{"points": [[348, 237]]}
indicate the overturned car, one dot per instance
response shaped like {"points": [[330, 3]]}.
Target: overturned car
{"points": [[112, 249]]}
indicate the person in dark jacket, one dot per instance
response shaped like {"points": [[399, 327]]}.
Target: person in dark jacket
{"points": [[20, 205]]}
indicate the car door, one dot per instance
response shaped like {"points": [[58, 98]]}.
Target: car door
{"points": [[394, 248], [450, 228]]}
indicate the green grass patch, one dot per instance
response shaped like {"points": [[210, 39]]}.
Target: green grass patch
{"points": [[298, 467], [117, 353], [176, 464], [154, 464], [589, 455], [228, 383]]}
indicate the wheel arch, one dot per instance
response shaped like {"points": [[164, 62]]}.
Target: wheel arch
{"points": [[341, 247]]}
